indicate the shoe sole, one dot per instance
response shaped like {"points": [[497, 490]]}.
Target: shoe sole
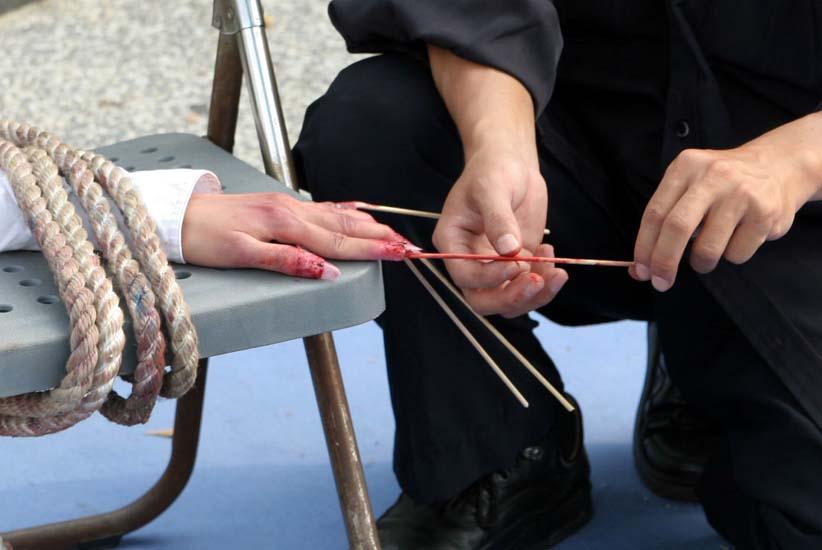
{"points": [[535, 531], [661, 484]]}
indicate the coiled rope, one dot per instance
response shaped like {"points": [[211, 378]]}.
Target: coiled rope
{"points": [[34, 162]]}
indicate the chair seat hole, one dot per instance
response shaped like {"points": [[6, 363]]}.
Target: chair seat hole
{"points": [[166, 159], [149, 150], [31, 282], [182, 275], [12, 268], [48, 300], [5, 308]]}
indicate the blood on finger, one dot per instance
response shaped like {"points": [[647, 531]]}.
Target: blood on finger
{"points": [[299, 263]]}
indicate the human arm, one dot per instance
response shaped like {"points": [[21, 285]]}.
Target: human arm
{"points": [[198, 224], [499, 203], [737, 199]]}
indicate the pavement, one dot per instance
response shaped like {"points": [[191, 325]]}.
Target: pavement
{"points": [[96, 72]]}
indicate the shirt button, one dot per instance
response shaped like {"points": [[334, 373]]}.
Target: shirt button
{"points": [[683, 129]]}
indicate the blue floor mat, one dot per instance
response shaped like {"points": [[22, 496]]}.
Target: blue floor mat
{"points": [[263, 481]]}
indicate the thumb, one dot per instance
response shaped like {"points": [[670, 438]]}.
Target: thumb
{"points": [[499, 222]]}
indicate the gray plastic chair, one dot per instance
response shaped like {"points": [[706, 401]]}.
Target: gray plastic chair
{"points": [[232, 309]]}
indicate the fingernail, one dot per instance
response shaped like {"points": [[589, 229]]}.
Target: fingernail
{"points": [[512, 271], [532, 290], [557, 283], [392, 251], [507, 244], [330, 272], [642, 272], [660, 284], [412, 247]]}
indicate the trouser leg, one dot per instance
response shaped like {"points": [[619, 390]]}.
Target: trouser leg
{"points": [[762, 490], [381, 134]]}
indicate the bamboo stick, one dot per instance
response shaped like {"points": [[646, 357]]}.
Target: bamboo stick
{"points": [[359, 205], [470, 337], [521, 358], [529, 259]]}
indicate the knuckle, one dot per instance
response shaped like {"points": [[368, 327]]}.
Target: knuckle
{"points": [[654, 213], [338, 241], [663, 264], [708, 251], [347, 224], [678, 224], [721, 170], [747, 193], [687, 157], [704, 256], [781, 228]]}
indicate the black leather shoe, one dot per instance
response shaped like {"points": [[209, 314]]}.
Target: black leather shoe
{"points": [[672, 442], [542, 499]]}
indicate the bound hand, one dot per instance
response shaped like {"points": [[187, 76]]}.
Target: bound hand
{"points": [[267, 231]]}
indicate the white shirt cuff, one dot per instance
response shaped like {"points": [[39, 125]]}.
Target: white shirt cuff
{"points": [[166, 194]]}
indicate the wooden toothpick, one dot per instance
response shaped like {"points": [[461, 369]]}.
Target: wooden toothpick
{"points": [[527, 259], [521, 358], [470, 337], [359, 205]]}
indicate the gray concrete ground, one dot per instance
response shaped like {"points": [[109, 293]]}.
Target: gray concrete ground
{"points": [[98, 71]]}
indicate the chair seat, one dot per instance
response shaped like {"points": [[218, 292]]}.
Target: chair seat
{"points": [[232, 309]]}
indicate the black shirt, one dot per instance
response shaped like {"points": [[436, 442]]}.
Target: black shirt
{"points": [[642, 80]]}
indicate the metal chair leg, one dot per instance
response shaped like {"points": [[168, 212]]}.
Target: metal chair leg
{"points": [[341, 441], [242, 20], [111, 526]]}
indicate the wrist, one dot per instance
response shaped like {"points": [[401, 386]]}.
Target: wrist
{"points": [[490, 135]]}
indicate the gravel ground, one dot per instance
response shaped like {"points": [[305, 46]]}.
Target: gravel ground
{"points": [[99, 71]]}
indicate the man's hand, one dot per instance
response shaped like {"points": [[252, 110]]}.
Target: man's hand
{"points": [[500, 201], [498, 206], [729, 202], [257, 231]]}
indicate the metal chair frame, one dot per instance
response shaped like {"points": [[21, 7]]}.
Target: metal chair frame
{"points": [[242, 47]]}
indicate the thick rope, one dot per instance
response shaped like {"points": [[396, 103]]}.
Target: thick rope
{"points": [[96, 321], [142, 228]]}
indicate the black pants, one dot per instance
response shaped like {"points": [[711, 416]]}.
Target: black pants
{"points": [[382, 134]]}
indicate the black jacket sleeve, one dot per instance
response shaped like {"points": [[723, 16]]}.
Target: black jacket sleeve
{"points": [[519, 37]]}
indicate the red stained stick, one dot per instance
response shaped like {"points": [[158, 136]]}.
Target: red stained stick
{"points": [[492, 258]]}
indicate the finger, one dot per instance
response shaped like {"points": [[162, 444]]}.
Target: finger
{"points": [[498, 220], [349, 210], [470, 274], [555, 279], [506, 299], [674, 235], [670, 190], [289, 260], [744, 243], [347, 207], [343, 222], [714, 236], [332, 244]]}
